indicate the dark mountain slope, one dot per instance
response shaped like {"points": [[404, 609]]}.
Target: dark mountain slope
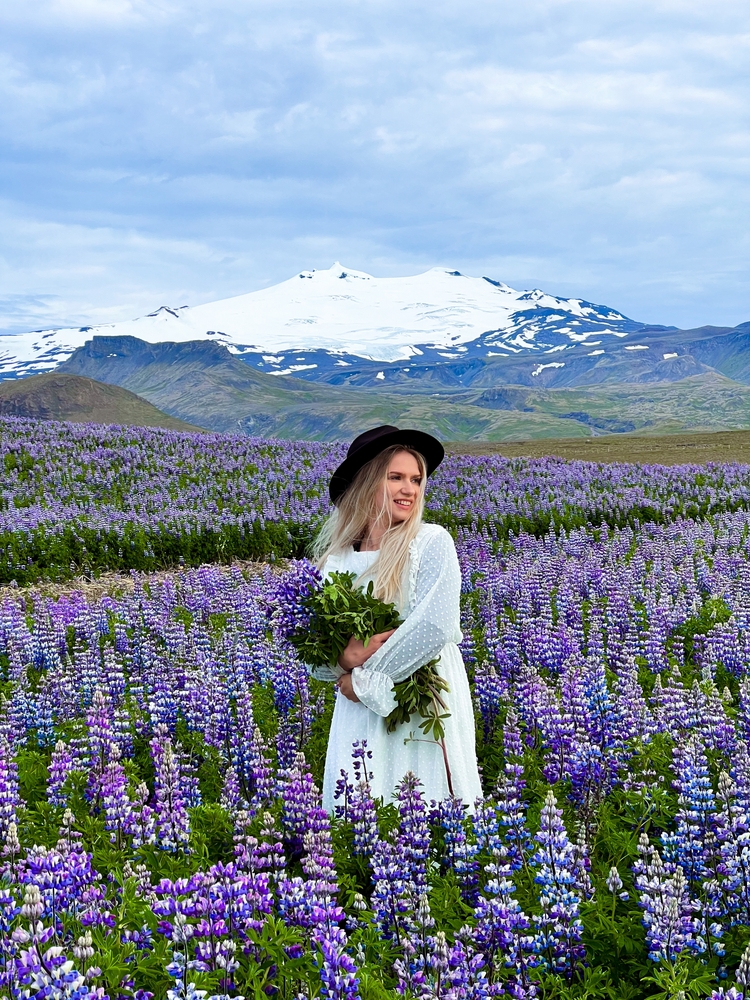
{"points": [[203, 383]]}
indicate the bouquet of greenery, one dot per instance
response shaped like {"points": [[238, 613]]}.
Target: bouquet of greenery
{"points": [[319, 616]]}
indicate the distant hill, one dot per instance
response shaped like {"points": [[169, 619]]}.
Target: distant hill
{"points": [[59, 396], [203, 383], [669, 449]]}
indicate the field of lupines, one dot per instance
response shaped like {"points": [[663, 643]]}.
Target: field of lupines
{"points": [[77, 498], [161, 748]]}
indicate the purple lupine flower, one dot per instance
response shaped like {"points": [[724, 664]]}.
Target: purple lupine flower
{"points": [[614, 881], [363, 814], [11, 853], [558, 938], [116, 804], [338, 972], [46, 712], [10, 798], [392, 897], [467, 974], [250, 755], [62, 765], [67, 883], [300, 796], [743, 970], [288, 739], [191, 790], [172, 821], [460, 852], [100, 740], [501, 931], [45, 971], [230, 792], [668, 909], [633, 718], [687, 846], [509, 793], [414, 833], [142, 817], [731, 827]]}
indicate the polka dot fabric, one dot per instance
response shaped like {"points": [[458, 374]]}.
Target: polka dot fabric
{"points": [[431, 627]]}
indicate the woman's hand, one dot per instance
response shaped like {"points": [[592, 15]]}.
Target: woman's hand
{"points": [[356, 653], [345, 686]]}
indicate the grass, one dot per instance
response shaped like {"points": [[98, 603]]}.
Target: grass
{"points": [[670, 449]]}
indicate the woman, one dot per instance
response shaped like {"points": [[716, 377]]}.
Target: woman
{"points": [[377, 532]]}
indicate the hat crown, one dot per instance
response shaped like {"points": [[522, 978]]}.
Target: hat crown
{"points": [[367, 436]]}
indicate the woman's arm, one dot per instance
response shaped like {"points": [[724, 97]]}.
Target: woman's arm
{"points": [[325, 673], [434, 622]]}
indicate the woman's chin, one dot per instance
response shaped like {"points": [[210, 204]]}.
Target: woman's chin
{"points": [[399, 514]]}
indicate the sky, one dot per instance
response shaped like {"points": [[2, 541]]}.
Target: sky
{"points": [[155, 152]]}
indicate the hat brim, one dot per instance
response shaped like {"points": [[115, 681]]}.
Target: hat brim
{"points": [[427, 446]]}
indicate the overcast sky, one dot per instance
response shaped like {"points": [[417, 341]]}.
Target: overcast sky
{"points": [[170, 152]]}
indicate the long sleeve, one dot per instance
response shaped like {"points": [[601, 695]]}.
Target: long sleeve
{"points": [[325, 673], [434, 622]]}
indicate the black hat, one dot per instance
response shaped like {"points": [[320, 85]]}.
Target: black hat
{"points": [[371, 443]]}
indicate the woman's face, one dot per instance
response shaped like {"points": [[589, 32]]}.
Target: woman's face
{"points": [[402, 484]]}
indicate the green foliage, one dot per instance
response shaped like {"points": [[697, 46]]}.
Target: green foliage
{"points": [[684, 979], [339, 610], [317, 740], [421, 694], [77, 550], [713, 612]]}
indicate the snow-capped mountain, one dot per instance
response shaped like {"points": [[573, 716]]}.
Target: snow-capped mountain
{"points": [[323, 322]]}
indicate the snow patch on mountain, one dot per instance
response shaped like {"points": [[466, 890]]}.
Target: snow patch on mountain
{"points": [[342, 315]]}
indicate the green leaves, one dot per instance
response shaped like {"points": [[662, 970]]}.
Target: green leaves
{"points": [[339, 610], [421, 694]]}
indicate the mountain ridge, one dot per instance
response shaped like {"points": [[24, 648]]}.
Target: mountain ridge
{"points": [[349, 313], [436, 331], [204, 383]]}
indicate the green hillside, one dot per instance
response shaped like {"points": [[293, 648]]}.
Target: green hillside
{"points": [[57, 396]]}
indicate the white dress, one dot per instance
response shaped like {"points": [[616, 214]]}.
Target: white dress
{"points": [[431, 627]]}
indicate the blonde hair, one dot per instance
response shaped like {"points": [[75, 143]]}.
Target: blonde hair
{"points": [[366, 501]]}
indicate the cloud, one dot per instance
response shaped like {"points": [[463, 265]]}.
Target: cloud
{"points": [[155, 150]]}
